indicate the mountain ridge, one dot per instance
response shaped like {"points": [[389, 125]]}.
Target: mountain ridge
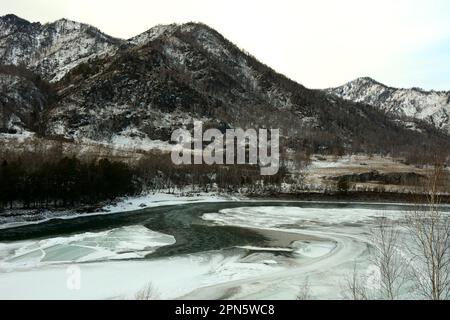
{"points": [[372, 80], [430, 106], [51, 49], [144, 87]]}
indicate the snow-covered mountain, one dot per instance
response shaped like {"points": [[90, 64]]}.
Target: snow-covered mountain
{"points": [[23, 98], [51, 49], [167, 76], [141, 89], [430, 106]]}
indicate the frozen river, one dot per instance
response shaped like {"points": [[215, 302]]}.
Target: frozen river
{"points": [[234, 250]]}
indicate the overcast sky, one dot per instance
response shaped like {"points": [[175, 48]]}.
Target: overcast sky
{"points": [[320, 43]]}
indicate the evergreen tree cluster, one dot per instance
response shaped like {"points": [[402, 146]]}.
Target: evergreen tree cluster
{"points": [[65, 182]]}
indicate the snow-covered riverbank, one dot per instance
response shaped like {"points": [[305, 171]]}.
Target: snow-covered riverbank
{"points": [[16, 218]]}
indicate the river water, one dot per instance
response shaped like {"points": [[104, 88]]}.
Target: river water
{"points": [[236, 250]]}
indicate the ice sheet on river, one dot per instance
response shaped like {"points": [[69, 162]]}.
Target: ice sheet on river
{"points": [[277, 217], [336, 240], [120, 243]]}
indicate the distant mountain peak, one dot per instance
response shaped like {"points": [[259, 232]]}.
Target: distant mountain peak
{"points": [[67, 22], [152, 33], [51, 49], [169, 30], [431, 106], [366, 79], [12, 18]]}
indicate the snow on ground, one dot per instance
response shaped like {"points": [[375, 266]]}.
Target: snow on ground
{"points": [[358, 163], [320, 164], [165, 199], [127, 142], [16, 137], [171, 277], [322, 170], [16, 218]]}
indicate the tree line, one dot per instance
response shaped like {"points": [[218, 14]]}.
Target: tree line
{"points": [[33, 180], [63, 183]]}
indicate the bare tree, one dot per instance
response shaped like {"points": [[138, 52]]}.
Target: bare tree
{"points": [[429, 229], [305, 291], [354, 286], [388, 259], [147, 293]]}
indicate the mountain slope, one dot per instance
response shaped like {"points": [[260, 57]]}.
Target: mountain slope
{"points": [[174, 73], [51, 49], [141, 89], [23, 98], [430, 106]]}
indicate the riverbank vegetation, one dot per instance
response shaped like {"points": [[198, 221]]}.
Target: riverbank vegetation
{"points": [[56, 176]]}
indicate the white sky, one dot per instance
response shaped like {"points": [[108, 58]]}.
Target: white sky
{"points": [[319, 43]]}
